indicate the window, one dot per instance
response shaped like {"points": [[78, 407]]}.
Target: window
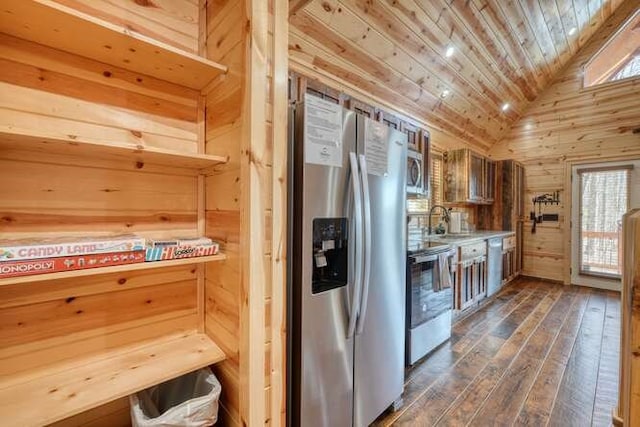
{"points": [[604, 198], [436, 179], [619, 58]]}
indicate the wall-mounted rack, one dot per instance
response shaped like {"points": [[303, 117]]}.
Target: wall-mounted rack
{"points": [[544, 199]]}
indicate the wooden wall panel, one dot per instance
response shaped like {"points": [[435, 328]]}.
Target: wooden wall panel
{"points": [[174, 22], [503, 52], [49, 93], [570, 124], [240, 115], [113, 414], [92, 314], [224, 127]]}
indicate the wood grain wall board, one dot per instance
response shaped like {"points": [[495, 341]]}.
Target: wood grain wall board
{"points": [[372, 53], [355, 78], [218, 226], [174, 22], [517, 16], [570, 124], [36, 55], [225, 129], [544, 241], [229, 375], [28, 111], [42, 126], [492, 67], [444, 140], [60, 152], [24, 359], [276, 289], [492, 30], [113, 414], [32, 100], [21, 295], [23, 223], [223, 29], [57, 187], [414, 41], [24, 324], [544, 266], [51, 81], [254, 186], [222, 304], [345, 27], [505, 52]]}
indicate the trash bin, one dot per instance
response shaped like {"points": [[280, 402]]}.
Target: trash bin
{"points": [[190, 400]]}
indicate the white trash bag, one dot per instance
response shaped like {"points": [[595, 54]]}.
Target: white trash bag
{"points": [[190, 400]]}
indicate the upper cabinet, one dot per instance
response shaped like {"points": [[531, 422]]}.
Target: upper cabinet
{"points": [[468, 177]]}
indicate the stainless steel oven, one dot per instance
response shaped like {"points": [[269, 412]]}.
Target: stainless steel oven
{"points": [[429, 301]]}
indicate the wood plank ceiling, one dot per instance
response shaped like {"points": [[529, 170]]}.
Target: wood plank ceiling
{"points": [[503, 51]]}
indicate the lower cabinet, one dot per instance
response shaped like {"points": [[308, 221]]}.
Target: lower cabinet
{"points": [[470, 286], [509, 259]]}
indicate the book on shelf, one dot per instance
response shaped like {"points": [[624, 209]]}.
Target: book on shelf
{"points": [[197, 241], [161, 253], [68, 263], [29, 249]]}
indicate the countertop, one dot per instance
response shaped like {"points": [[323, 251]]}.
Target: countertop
{"points": [[463, 239]]}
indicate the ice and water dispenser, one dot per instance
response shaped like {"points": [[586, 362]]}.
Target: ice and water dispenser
{"points": [[330, 254]]}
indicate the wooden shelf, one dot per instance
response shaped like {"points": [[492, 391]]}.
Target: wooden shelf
{"points": [[137, 154], [57, 392], [106, 270], [60, 27]]}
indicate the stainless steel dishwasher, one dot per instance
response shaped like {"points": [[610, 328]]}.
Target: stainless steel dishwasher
{"points": [[494, 269]]}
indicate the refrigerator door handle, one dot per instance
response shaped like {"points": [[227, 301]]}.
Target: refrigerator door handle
{"points": [[367, 243], [357, 216]]}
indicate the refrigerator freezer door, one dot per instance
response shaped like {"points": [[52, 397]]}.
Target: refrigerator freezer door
{"points": [[379, 348], [325, 370]]}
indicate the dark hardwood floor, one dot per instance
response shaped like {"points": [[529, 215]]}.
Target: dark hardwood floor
{"points": [[536, 354]]}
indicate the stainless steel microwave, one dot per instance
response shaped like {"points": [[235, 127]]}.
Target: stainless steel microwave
{"points": [[415, 172]]}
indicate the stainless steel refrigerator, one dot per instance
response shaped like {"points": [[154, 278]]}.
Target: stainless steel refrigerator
{"points": [[347, 281]]}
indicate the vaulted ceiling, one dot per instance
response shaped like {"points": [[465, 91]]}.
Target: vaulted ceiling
{"points": [[501, 51]]}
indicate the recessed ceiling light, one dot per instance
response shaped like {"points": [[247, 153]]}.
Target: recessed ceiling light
{"points": [[505, 106], [572, 31], [444, 93], [449, 52]]}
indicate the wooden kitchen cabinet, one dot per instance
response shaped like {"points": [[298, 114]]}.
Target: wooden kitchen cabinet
{"points": [[509, 259], [470, 286], [507, 211], [468, 177]]}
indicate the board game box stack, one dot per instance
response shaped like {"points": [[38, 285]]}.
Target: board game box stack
{"points": [[158, 250], [29, 257]]}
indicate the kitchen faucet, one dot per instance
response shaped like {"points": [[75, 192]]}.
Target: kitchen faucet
{"points": [[446, 215]]}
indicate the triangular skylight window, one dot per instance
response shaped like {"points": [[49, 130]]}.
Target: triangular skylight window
{"points": [[619, 58]]}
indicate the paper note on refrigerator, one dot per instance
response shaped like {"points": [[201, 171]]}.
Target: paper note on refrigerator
{"points": [[322, 132], [376, 138]]}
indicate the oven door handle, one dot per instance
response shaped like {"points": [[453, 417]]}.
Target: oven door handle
{"points": [[419, 259]]}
